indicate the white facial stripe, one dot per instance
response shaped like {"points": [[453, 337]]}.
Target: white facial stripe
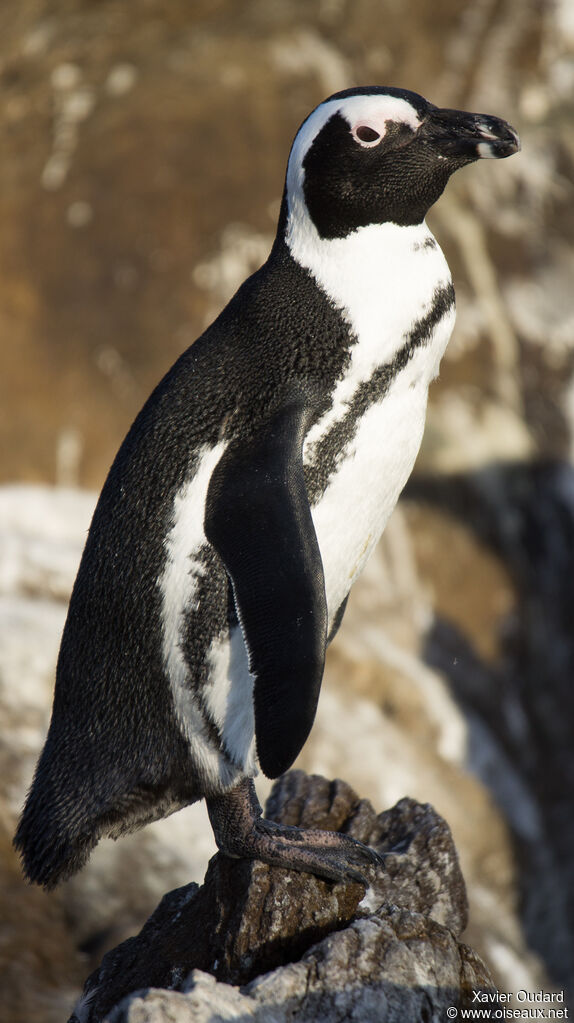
{"points": [[303, 142], [374, 110]]}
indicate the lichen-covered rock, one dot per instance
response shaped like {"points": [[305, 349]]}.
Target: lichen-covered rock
{"points": [[279, 943], [422, 871], [394, 967]]}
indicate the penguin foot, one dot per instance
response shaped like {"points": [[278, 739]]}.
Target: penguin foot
{"points": [[241, 832]]}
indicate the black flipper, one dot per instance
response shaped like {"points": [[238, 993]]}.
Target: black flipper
{"points": [[259, 521]]}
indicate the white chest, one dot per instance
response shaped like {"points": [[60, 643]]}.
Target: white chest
{"points": [[353, 511], [387, 281]]}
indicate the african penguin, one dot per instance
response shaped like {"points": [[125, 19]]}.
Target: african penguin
{"points": [[248, 495]]}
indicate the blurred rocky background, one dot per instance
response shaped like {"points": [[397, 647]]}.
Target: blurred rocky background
{"points": [[143, 152]]}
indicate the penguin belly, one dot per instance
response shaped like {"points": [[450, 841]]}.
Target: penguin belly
{"points": [[394, 290], [371, 471], [354, 509]]}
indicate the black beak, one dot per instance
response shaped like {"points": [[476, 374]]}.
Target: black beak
{"points": [[459, 136]]}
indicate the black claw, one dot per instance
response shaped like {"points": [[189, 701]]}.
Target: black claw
{"points": [[377, 859], [354, 876]]}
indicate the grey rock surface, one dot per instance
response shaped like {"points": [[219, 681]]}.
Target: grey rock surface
{"points": [[264, 943]]}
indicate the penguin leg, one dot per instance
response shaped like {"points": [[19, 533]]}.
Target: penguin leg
{"points": [[241, 832]]}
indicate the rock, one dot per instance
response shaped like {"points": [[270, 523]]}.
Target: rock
{"points": [[410, 835], [341, 979], [295, 944]]}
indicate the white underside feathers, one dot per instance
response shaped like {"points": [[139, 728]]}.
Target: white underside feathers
{"points": [[178, 586], [229, 698]]}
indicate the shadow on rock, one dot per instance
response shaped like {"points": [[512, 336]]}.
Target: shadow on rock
{"points": [[524, 513]]}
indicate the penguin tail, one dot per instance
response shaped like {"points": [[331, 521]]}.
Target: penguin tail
{"points": [[54, 837], [48, 853]]}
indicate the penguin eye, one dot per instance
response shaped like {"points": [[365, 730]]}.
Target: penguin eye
{"points": [[366, 135]]}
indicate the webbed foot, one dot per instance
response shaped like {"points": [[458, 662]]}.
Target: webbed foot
{"points": [[241, 831]]}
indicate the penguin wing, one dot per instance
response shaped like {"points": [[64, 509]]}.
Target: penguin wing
{"points": [[258, 519]]}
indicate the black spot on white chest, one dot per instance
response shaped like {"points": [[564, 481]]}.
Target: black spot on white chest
{"points": [[420, 351], [393, 287]]}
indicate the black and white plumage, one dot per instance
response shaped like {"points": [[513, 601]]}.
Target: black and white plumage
{"points": [[247, 497]]}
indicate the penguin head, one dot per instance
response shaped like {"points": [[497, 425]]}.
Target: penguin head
{"points": [[378, 155]]}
